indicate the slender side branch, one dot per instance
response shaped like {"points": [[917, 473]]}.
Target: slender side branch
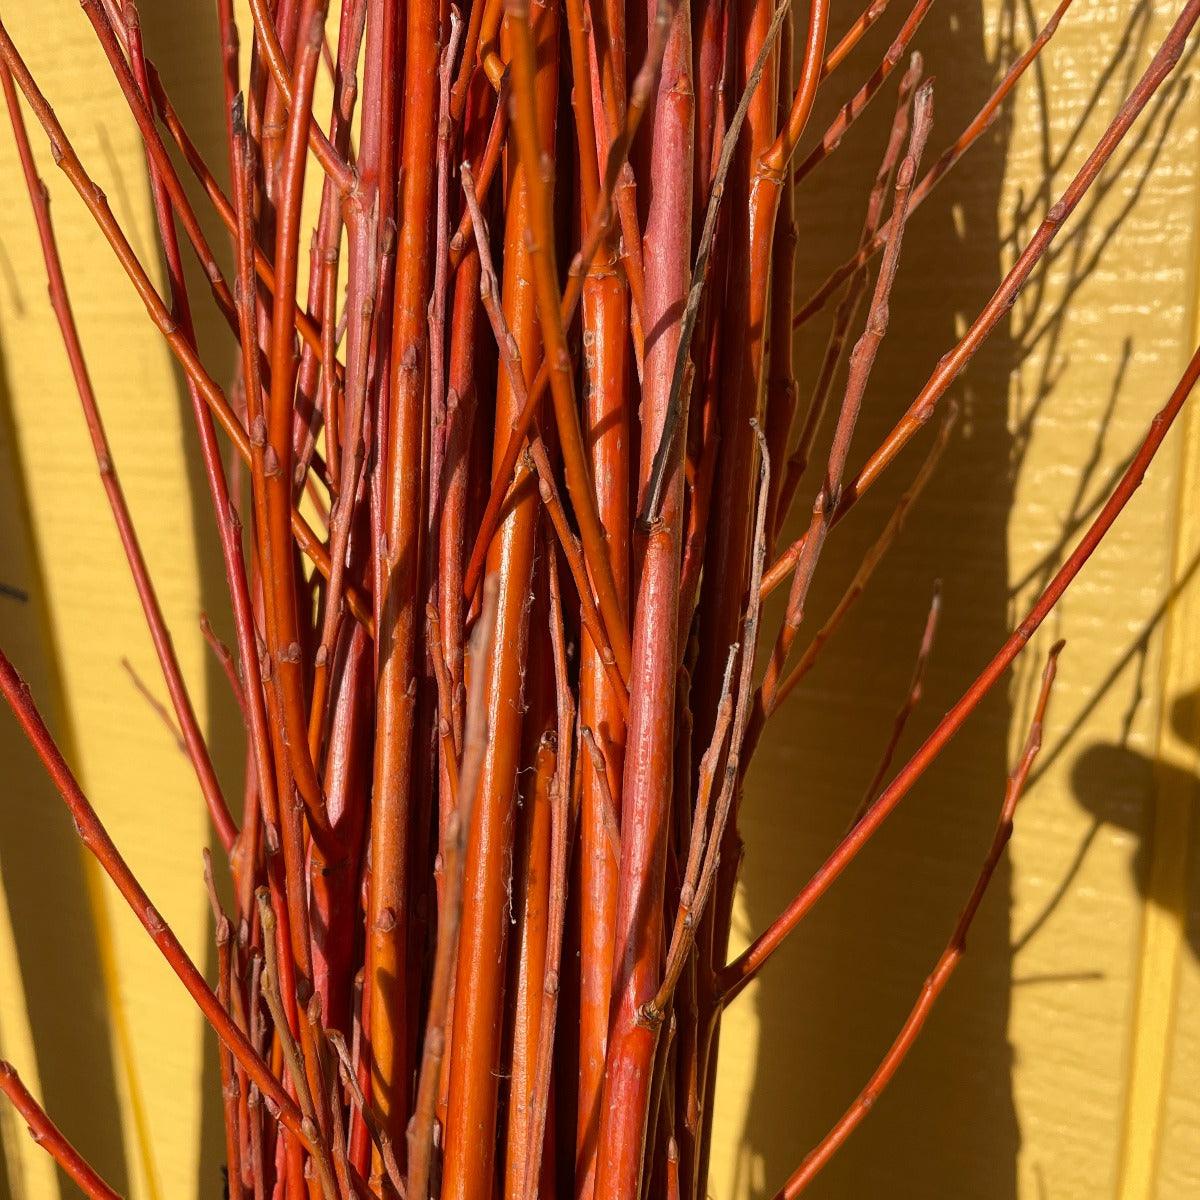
{"points": [[935, 984], [95, 837], [737, 974], [50, 1137]]}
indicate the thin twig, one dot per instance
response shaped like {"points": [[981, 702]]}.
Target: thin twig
{"points": [[953, 954]]}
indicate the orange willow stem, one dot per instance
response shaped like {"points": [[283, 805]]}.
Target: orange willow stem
{"points": [[547, 489], [531, 916], [406, 464], [556, 908], [539, 175], [648, 787], [598, 230], [284, 629], [602, 708], [472, 1107], [852, 37]]}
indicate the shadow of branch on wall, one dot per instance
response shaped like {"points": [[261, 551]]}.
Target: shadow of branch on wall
{"points": [[831, 1004]]}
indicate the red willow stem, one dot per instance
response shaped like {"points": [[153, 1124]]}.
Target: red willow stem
{"points": [[60, 302], [952, 364], [97, 841], [136, 96], [847, 309], [228, 524], [50, 1137], [979, 124], [68, 161], [677, 405], [856, 105], [738, 973], [862, 361], [156, 150], [713, 70], [227, 35], [170, 118], [648, 787], [935, 983], [912, 697], [866, 568]]}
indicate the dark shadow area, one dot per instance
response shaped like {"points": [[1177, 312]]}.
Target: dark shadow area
{"points": [[832, 1003], [834, 998], [1117, 786], [42, 868]]}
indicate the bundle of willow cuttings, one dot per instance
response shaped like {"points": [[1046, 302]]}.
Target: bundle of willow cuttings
{"points": [[500, 484]]}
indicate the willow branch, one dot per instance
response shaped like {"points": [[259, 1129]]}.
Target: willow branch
{"points": [[936, 982]]}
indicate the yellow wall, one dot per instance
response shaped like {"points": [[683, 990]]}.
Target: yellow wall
{"points": [[1062, 1062]]}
